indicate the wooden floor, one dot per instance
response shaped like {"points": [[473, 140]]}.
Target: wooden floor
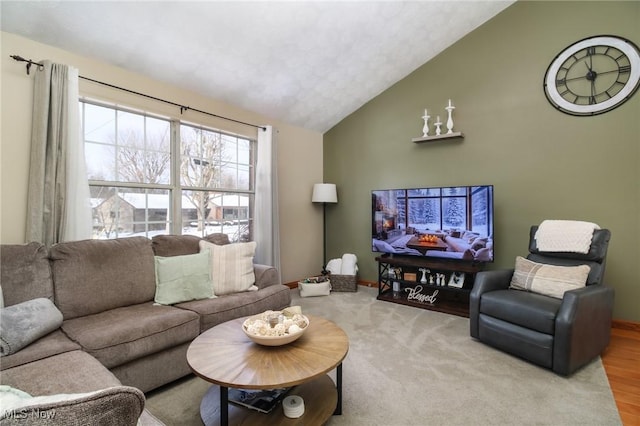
{"points": [[621, 361]]}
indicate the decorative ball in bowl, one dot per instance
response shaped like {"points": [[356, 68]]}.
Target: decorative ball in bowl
{"points": [[275, 328]]}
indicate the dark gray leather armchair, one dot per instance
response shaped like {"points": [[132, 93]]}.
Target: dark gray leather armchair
{"points": [[560, 334]]}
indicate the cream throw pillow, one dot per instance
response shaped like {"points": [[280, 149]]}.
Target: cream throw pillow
{"points": [[231, 266], [549, 280]]}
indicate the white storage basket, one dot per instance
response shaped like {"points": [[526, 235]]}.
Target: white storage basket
{"points": [[314, 289]]}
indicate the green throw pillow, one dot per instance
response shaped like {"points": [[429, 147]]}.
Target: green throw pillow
{"points": [[183, 278]]}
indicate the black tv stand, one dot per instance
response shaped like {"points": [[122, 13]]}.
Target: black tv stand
{"points": [[446, 289]]}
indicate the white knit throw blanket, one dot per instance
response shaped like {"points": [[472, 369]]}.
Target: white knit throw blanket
{"points": [[565, 236]]}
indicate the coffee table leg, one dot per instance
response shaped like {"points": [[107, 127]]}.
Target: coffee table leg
{"points": [[338, 410], [224, 406]]}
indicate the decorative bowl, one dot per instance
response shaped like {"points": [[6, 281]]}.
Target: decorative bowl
{"points": [[301, 322]]}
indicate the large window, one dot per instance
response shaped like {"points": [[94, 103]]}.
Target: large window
{"points": [[150, 175]]}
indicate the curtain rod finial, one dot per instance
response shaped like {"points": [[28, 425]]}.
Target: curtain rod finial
{"points": [[28, 61]]}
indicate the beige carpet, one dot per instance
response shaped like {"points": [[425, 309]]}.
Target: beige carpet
{"points": [[409, 366]]}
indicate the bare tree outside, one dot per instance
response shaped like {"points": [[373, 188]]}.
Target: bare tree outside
{"points": [[137, 163], [200, 167], [143, 149]]}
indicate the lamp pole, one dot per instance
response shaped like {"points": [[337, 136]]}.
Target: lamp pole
{"points": [[324, 193], [324, 239]]}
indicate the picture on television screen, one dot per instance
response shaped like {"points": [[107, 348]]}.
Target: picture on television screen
{"points": [[444, 222]]}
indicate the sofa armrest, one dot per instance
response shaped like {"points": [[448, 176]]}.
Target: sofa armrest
{"points": [[121, 405], [265, 275], [583, 327], [486, 281]]}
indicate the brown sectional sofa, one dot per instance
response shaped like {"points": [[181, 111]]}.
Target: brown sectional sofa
{"points": [[112, 334]]}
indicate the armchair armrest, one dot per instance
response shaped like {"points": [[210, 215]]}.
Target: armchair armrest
{"points": [[486, 281], [491, 281], [583, 327]]}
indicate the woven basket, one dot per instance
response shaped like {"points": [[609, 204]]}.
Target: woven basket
{"points": [[344, 282]]}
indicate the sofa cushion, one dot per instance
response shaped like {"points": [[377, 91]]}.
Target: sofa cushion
{"points": [[49, 345], [121, 335], [24, 323], [266, 275], [183, 278], [121, 405], [93, 276], [224, 308], [25, 273], [177, 245], [217, 238], [232, 266], [155, 370], [549, 280], [69, 372]]}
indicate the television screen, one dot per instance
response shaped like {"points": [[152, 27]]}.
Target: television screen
{"points": [[440, 222]]}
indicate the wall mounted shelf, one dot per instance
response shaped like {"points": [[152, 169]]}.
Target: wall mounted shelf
{"points": [[454, 135]]}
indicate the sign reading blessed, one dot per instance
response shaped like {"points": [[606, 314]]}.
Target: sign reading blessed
{"points": [[415, 293]]}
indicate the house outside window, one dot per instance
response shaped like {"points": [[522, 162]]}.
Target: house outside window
{"points": [[151, 175]]}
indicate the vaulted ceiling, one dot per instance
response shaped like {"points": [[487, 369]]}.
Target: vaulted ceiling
{"points": [[306, 63]]}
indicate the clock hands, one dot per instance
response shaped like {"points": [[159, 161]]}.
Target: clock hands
{"points": [[589, 76], [590, 64], [609, 72]]}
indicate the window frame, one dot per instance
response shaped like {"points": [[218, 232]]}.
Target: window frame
{"points": [[175, 188]]}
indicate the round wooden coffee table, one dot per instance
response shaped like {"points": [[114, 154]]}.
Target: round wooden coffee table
{"points": [[225, 356]]}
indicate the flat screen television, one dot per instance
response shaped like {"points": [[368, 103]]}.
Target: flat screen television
{"points": [[454, 222]]}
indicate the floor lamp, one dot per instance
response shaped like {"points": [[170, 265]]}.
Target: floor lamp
{"points": [[324, 193]]}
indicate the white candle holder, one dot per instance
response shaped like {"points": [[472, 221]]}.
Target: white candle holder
{"points": [[425, 128], [438, 123], [450, 109]]}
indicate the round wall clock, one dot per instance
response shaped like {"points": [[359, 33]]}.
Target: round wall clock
{"points": [[593, 76]]}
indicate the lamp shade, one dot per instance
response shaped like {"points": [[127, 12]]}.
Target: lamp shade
{"points": [[324, 193]]}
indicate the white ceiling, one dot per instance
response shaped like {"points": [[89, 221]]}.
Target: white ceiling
{"points": [[306, 63]]}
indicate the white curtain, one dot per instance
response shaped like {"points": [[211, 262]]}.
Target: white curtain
{"points": [[266, 228], [58, 204]]}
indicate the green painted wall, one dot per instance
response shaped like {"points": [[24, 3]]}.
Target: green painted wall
{"points": [[544, 164]]}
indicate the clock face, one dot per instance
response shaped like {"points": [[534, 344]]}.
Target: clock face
{"points": [[593, 76]]}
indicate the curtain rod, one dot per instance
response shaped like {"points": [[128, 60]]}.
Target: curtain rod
{"points": [[183, 108]]}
